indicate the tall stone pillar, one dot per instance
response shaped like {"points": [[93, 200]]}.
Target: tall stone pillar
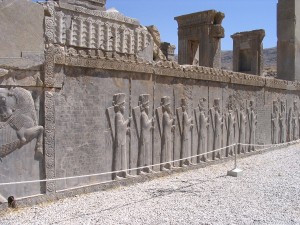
{"points": [[199, 38], [288, 44], [248, 52]]}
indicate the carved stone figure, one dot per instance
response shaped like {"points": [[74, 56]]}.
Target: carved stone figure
{"points": [[230, 125], [289, 126], [217, 124], [166, 127], [120, 129], [282, 123], [295, 121], [185, 126], [202, 124], [143, 126], [18, 112], [252, 119], [275, 123], [241, 121]]}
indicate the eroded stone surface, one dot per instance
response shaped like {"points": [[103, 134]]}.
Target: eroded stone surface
{"points": [[22, 33]]}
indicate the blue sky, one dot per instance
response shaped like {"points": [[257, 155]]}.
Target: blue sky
{"points": [[240, 15]]}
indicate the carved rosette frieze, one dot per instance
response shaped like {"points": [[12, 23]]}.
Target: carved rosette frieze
{"points": [[49, 140]]}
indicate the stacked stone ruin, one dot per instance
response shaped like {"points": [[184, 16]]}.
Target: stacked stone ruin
{"points": [[85, 90]]}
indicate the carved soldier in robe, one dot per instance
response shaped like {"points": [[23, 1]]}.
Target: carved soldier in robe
{"points": [[120, 130], [217, 124], [166, 127], [185, 125], [17, 111], [275, 123], [252, 119], [202, 125], [295, 121], [241, 122], [289, 125], [143, 125], [282, 123], [230, 125]]}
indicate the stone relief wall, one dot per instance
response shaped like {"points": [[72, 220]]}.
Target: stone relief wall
{"points": [[106, 115], [149, 118], [99, 104]]}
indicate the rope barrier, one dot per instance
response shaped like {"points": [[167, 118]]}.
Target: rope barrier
{"points": [[138, 168]]}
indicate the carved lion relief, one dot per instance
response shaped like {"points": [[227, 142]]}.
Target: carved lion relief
{"points": [[17, 111]]}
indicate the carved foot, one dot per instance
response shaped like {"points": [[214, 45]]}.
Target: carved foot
{"points": [[127, 175], [141, 172], [119, 178]]}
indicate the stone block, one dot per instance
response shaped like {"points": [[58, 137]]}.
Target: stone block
{"points": [[22, 33]]}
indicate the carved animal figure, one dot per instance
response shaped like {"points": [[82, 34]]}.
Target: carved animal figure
{"points": [[17, 111]]}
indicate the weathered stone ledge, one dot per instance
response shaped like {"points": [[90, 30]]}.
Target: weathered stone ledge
{"points": [[172, 69]]}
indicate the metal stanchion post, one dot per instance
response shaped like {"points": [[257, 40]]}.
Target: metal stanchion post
{"points": [[236, 171]]}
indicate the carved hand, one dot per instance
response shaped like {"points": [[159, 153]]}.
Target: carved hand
{"points": [[128, 131], [173, 128]]}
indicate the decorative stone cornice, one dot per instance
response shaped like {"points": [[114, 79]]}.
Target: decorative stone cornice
{"points": [[205, 17], [246, 35], [165, 68]]}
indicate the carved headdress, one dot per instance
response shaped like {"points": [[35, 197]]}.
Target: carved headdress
{"points": [[202, 103], [183, 102], [118, 99], [165, 101], [217, 102], [143, 99]]}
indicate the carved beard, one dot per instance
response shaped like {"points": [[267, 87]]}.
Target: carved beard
{"points": [[167, 109], [147, 110], [122, 110]]}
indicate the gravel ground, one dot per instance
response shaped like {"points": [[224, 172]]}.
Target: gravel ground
{"points": [[267, 193]]}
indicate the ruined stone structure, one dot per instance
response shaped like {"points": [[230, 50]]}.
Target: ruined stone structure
{"points": [[96, 102], [248, 52], [288, 46], [199, 38], [168, 50]]}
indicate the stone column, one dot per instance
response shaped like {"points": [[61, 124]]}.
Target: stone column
{"points": [[248, 52], [288, 44], [199, 38]]}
